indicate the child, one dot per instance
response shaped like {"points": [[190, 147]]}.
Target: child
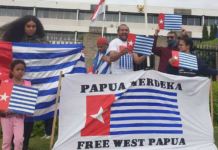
{"points": [[186, 45], [13, 123]]}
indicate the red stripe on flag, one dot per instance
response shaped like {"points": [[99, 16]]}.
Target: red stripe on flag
{"points": [[131, 41], [161, 21], [175, 55], [102, 1], [90, 71], [6, 58], [5, 95]]}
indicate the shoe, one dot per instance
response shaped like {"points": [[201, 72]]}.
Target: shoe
{"points": [[44, 137], [48, 137]]}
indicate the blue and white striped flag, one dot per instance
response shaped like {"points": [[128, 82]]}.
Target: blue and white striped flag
{"points": [[44, 63], [170, 21]]}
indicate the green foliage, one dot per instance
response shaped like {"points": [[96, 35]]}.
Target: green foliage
{"points": [[38, 129], [215, 105], [215, 30], [215, 41], [211, 33], [205, 33]]}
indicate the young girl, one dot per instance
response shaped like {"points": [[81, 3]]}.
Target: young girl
{"points": [[186, 45], [13, 123]]}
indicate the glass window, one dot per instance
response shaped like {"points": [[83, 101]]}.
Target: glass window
{"points": [[206, 20], [58, 36], [67, 15], [211, 21], [81, 16], [53, 14], [156, 19], [197, 21], [100, 17], [116, 17], [30, 12], [123, 18], [184, 20], [191, 21], [17, 12], [3, 11], [142, 19], [130, 18], [45, 13], [88, 15], [109, 17], [73, 15], [40, 13], [24, 12], [150, 18], [136, 19], [10, 11], [60, 14]]}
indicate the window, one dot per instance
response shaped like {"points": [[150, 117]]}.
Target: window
{"points": [[110, 37], [60, 36], [56, 14], [85, 15], [191, 20], [153, 18], [210, 20], [15, 11], [130, 17]]}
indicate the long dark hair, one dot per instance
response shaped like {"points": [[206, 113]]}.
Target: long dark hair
{"points": [[14, 63], [189, 42], [14, 31]]}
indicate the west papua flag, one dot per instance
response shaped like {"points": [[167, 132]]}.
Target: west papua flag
{"points": [[185, 60], [20, 99], [170, 22], [140, 44], [99, 10]]}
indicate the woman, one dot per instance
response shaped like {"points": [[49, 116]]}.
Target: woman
{"points": [[186, 45], [27, 29]]}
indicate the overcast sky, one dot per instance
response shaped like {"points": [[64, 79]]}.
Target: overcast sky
{"points": [[207, 4]]}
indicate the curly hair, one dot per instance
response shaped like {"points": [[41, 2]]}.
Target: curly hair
{"points": [[14, 63], [14, 31]]}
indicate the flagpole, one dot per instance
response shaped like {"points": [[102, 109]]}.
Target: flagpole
{"points": [[102, 32], [146, 29], [56, 109]]}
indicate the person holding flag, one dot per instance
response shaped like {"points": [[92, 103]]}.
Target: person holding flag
{"points": [[165, 52], [120, 55], [186, 45], [101, 63]]}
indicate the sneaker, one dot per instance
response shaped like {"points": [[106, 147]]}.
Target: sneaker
{"points": [[48, 137], [44, 137]]}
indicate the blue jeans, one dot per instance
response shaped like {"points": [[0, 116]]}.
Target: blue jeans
{"points": [[48, 126]]}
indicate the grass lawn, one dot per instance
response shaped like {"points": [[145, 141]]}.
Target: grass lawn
{"points": [[42, 144]]}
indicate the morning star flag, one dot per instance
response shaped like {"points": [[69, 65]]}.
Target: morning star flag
{"points": [[170, 21], [19, 99], [44, 63], [140, 44], [143, 110], [185, 60]]}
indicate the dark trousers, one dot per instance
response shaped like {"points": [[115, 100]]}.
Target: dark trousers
{"points": [[28, 128], [48, 126]]}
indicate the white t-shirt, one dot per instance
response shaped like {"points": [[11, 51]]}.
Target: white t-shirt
{"points": [[125, 63]]}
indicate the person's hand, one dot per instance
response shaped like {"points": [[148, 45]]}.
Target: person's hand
{"points": [[83, 51], [157, 30], [6, 112], [171, 61], [125, 51], [105, 58], [217, 78], [183, 31]]}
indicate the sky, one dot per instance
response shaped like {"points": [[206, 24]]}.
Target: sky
{"points": [[206, 4]]}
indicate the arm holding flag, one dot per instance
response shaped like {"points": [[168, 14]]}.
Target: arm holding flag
{"points": [[171, 69], [114, 55], [139, 60]]}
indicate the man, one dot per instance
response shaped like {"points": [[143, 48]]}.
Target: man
{"points": [[101, 63], [165, 53], [120, 55]]}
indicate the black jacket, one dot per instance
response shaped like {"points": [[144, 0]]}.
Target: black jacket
{"points": [[203, 70]]}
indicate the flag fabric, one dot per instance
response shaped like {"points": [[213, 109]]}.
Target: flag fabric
{"points": [[126, 61], [185, 60], [44, 63], [19, 99], [170, 21], [139, 110], [99, 66], [99, 10], [217, 30], [140, 44]]}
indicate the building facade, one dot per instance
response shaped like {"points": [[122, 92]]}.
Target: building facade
{"points": [[68, 21]]}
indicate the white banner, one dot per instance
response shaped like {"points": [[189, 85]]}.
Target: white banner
{"points": [[204, 4], [136, 111]]}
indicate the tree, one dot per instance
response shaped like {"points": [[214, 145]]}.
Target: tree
{"points": [[211, 32], [204, 33], [215, 30]]}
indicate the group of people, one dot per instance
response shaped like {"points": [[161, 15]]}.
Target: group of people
{"points": [[116, 55]]}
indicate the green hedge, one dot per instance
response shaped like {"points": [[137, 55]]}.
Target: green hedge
{"points": [[38, 129], [215, 105]]}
